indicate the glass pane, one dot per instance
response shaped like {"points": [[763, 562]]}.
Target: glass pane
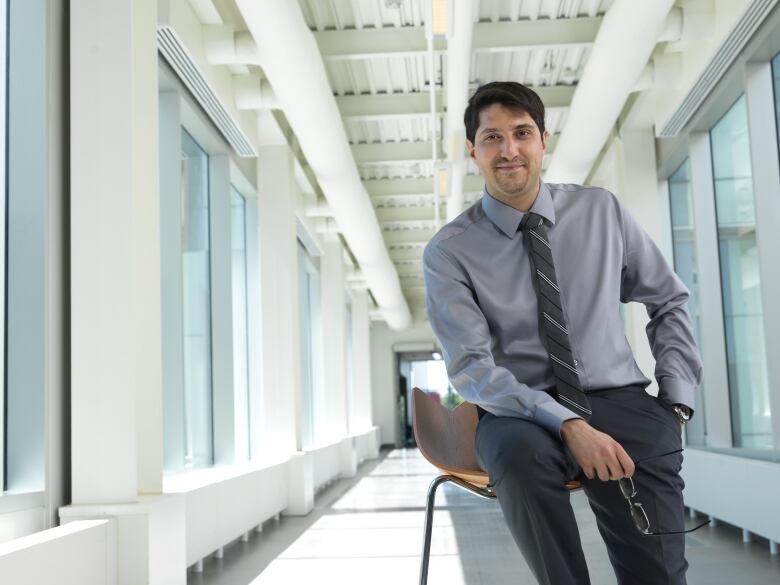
{"points": [[683, 244], [240, 320], [776, 84], [196, 304], [3, 80], [743, 314]]}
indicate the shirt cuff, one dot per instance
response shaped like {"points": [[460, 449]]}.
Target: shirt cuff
{"points": [[676, 391], [551, 415]]}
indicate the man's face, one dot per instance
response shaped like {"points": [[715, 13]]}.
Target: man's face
{"points": [[508, 149]]}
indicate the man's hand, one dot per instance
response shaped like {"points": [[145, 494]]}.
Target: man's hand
{"points": [[597, 453]]}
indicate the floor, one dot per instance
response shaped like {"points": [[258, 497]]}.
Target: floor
{"points": [[369, 530]]}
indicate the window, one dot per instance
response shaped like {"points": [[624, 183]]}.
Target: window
{"points": [[430, 376], [685, 264], [742, 308], [240, 321], [3, 203], [776, 85], [312, 404], [196, 303]]}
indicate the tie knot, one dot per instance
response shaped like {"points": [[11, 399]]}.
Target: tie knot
{"points": [[531, 221]]}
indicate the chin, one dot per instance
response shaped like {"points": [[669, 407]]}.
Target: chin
{"points": [[513, 189]]}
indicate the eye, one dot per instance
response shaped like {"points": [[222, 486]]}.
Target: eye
{"points": [[491, 138]]}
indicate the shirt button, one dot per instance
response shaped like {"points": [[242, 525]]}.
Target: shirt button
{"points": [[576, 363]]}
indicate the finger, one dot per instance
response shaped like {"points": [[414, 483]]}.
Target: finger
{"points": [[589, 473], [615, 469], [603, 472], [625, 462]]}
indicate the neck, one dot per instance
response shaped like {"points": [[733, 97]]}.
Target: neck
{"points": [[521, 201]]}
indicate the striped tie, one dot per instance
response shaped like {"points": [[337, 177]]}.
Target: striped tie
{"points": [[551, 318]]}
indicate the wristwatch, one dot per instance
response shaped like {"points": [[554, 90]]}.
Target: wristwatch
{"points": [[683, 413]]}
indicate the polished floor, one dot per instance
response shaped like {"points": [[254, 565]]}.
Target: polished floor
{"points": [[369, 530]]}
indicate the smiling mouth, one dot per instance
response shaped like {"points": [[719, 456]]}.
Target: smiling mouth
{"points": [[509, 168]]}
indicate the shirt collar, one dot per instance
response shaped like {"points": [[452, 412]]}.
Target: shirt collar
{"points": [[508, 219]]}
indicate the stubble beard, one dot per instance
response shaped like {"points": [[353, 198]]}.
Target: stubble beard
{"points": [[512, 186]]}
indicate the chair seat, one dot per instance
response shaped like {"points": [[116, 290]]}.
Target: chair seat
{"points": [[446, 438]]}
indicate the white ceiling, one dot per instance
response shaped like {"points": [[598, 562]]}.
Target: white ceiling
{"points": [[377, 63], [376, 59]]}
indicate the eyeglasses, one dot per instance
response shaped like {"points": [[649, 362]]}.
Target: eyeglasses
{"points": [[638, 513]]}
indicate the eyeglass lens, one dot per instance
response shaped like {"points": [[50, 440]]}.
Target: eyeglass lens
{"points": [[627, 487]]}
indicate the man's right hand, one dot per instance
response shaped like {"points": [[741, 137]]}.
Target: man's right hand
{"points": [[597, 453]]}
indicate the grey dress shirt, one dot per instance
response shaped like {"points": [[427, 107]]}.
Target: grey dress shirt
{"points": [[483, 308]]}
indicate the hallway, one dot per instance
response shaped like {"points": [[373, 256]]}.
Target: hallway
{"points": [[369, 529]]}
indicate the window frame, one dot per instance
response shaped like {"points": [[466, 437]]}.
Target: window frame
{"points": [[312, 383], [243, 407], [750, 73], [226, 171]]}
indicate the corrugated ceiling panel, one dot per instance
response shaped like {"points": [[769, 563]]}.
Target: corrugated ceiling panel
{"points": [[341, 14], [532, 67], [513, 10]]}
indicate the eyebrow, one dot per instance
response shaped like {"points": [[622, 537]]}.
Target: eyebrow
{"points": [[518, 127]]}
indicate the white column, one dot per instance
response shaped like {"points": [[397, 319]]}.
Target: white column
{"points": [[384, 384], [640, 196], [334, 339], [713, 345], [759, 94], [278, 256], [361, 358], [115, 252]]}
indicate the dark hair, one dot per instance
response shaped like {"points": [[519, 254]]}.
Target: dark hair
{"points": [[511, 95]]}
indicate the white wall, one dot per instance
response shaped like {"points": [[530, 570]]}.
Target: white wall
{"points": [[334, 338], [384, 374], [724, 486], [362, 359], [81, 552], [278, 299]]}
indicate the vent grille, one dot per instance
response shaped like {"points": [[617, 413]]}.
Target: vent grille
{"points": [[177, 56], [732, 45]]}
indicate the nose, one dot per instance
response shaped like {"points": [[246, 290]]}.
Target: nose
{"points": [[509, 149]]}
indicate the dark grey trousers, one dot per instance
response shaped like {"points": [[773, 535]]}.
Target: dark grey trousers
{"points": [[529, 466]]}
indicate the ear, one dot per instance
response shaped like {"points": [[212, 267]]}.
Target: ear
{"points": [[471, 148], [545, 136]]}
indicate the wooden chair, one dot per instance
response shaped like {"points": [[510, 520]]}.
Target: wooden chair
{"points": [[446, 439]]}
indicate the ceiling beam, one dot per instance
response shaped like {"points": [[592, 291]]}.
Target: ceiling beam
{"points": [[415, 186], [409, 41], [406, 254], [407, 152], [387, 106], [369, 43], [394, 214], [384, 105], [409, 270], [389, 152], [530, 34], [408, 236]]}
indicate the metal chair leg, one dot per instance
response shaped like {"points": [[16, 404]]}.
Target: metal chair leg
{"points": [[429, 526], [486, 493]]}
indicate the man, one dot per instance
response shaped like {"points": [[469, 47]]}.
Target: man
{"points": [[524, 291]]}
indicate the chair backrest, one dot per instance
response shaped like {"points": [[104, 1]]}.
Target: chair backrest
{"points": [[446, 437]]}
